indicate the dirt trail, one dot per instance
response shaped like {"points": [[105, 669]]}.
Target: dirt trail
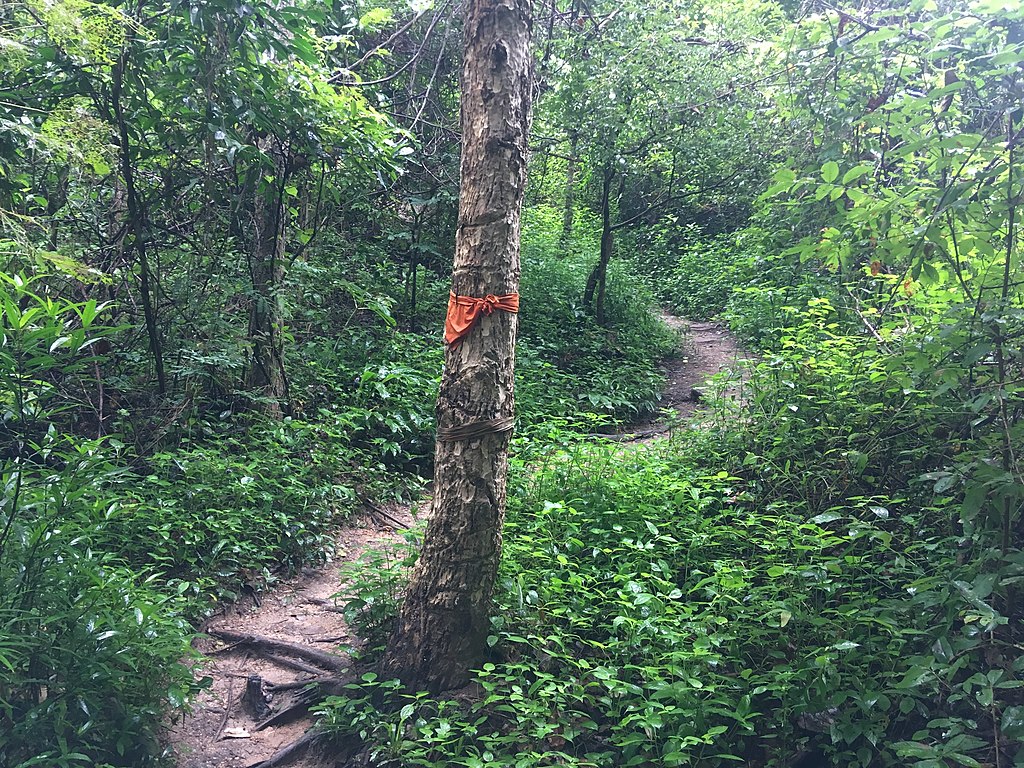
{"points": [[708, 349], [222, 731]]}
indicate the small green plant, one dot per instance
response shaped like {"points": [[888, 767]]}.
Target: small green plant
{"points": [[373, 587], [90, 653]]}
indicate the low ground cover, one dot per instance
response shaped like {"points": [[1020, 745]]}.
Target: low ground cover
{"points": [[787, 581]]}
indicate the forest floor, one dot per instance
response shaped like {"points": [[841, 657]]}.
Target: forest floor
{"points": [[222, 730], [708, 348]]}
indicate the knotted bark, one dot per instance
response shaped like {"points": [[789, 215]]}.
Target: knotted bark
{"points": [[444, 622]]}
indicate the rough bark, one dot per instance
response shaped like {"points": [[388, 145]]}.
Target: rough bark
{"points": [[267, 264], [444, 622], [597, 281]]}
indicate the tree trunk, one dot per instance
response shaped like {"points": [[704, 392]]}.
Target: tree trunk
{"points": [[445, 619], [596, 282], [266, 374], [570, 191], [137, 224], [414, 263]]}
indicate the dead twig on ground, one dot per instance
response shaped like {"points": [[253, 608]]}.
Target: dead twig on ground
{"points": [[227, 710]]}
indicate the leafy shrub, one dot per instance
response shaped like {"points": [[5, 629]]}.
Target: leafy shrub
{"points": [[214, 519], [836, 417], [706, 274], [739, 276], [372, 588], [382, 385], [89, 653], [574, 364], [655, 616]]}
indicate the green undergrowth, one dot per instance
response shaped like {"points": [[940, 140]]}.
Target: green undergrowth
{"points": [[108, 555], [381, 381], [739, 277], [213, 521], [567, 363], [111, 548], [792, 578], [90, 649], [655, 614]]}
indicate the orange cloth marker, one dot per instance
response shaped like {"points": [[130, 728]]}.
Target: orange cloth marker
{"points": [[464, 311]]}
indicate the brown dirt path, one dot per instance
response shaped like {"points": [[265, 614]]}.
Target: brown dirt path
{"points": [[221, 731], [708, 349]]}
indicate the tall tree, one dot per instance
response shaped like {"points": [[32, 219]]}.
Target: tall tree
{"points": [[444, 622], [628, 90]]}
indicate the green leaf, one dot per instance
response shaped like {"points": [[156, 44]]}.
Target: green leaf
{"points": [[830, 171], [1012, 723], [375, 18], [856, 172]]}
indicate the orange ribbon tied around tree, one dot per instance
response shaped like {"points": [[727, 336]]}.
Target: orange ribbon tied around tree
{"points": [[464, 311]]}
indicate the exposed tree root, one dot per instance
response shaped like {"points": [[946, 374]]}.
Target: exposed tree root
{"points": [[383, 517], [305, 694], [330, 752], [313, 692], [328, 605], [227, 710], [292, 686], [293, 751], [269, 646], [299, 666]]}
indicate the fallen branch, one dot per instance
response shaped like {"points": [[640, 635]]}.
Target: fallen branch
{"points": [[333, 640], [384, 518], [381, 515], [226, 648], [293, 751], [270, 646], [327, 605], [627, 437]]}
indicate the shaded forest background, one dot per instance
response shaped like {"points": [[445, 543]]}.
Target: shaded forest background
{"points": [[227, 229]]}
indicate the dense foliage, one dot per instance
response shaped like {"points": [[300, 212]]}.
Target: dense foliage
{"points": [[831, 574], [225, 232]]}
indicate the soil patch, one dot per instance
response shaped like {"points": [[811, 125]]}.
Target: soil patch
{"points": [[708, 349], [222, 731]]}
